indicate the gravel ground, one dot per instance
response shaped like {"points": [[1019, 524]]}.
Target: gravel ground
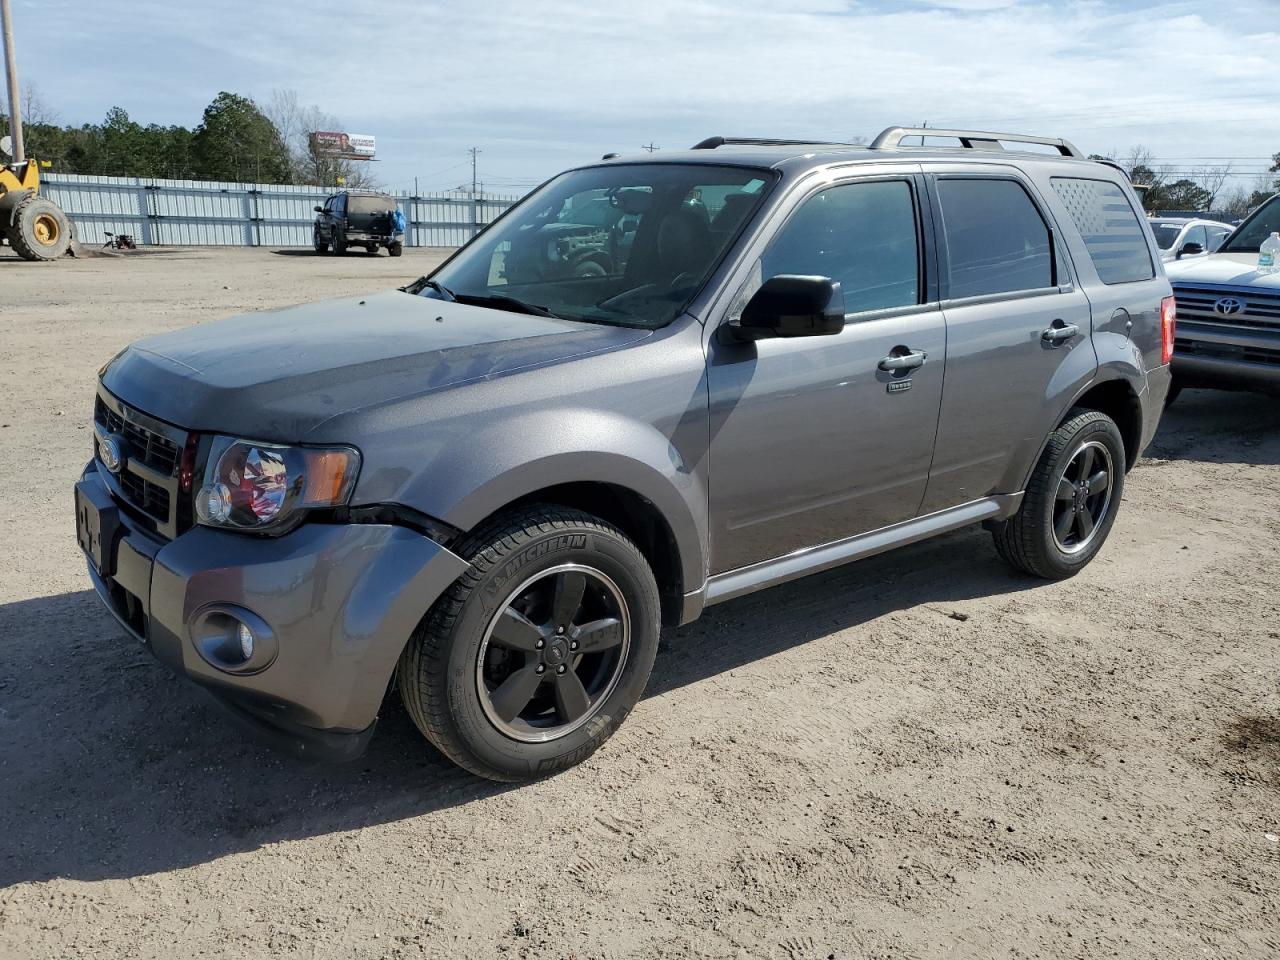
{"points": [[921, 755]]}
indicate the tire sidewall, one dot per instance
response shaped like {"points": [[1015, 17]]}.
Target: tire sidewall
{"points": [[587, 545], [1104, 430]]}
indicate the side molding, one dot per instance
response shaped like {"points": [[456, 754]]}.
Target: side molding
{"points": [[759, 576]]}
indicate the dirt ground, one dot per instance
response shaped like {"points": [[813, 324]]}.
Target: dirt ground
{"points": [[921, 755]]}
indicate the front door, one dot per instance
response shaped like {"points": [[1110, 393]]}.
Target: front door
{"points": [[811, 441], [1018, 345]]}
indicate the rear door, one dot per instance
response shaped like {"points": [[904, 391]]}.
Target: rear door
{"points": [[1117, 263], [1017, 331], [811, 441]]}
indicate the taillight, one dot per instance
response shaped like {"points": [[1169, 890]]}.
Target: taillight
{"points": [[1168, 320]]}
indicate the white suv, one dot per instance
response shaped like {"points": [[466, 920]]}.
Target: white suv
{"points": [[1181, 237]]}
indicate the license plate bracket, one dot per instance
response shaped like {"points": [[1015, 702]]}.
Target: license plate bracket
{"points": [[97, 527]]}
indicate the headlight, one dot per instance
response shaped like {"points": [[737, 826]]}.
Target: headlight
{"points": [[261, 486]]}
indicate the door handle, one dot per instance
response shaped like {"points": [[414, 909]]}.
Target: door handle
{"points": [[903, 361], [1059, 332]]}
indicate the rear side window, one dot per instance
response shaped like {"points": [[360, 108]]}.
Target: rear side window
{"points": [[1113, 234], [997, 242], [860, 234]]}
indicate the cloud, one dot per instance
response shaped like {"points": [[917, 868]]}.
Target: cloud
{"points": [[541, 85]]}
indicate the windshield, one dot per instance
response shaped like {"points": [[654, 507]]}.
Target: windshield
{"points": [[1166, 232], [628, 244], [1251, 234]]}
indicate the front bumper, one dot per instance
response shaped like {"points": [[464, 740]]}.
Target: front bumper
{"points": [[340, 602]]}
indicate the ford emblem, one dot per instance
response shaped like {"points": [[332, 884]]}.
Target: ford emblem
{"points": [[111, 453]]}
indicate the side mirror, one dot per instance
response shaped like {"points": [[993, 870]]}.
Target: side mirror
{"points": [[791, 306], [1190, 250], [318, 209]]}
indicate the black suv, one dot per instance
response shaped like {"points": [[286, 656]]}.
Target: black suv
{"points": [[351, 219]]}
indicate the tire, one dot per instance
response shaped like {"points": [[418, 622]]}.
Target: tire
{"points": [[1032, 539], [321, 246], [40, 230], [456, 663], [371, 248], [339, 246], [396, 249]]}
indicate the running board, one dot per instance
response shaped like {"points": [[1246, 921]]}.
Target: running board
{"points": [[745, 580]]}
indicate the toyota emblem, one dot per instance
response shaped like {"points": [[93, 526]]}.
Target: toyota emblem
{"points": [[1228, 306], [110, 453]]}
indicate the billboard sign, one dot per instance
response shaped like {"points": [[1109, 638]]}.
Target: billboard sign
{"points": [[349, 146]]}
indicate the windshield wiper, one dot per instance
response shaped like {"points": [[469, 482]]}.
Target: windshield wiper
{"points": [[439, 288], [502, 302]]}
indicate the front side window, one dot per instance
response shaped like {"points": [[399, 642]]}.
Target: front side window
{"points": [[1251, 234], [1112, 232], [996, 240], [1197, 235], [626, 244], [862, 235]]}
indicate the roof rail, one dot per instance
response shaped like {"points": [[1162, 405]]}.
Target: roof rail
{"points": [[712, 142], [971, 139]]}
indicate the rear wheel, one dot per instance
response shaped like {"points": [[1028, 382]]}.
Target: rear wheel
{"points": [[396, 249], [40, 231], [539, 651], [1071, 501]]}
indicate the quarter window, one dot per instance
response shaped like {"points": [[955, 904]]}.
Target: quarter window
{"points": [[862, 235], [1113, 235], [997, 242]]}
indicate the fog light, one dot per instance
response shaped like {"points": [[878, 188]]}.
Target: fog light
{"points": [[246, 641]]}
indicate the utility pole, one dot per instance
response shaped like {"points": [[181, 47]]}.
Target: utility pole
{"points": [[475, 200], [11, 74], [649, 146]]}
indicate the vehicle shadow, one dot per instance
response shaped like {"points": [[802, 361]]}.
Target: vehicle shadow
{"points": [[300, 252], [112, 767], [1220, 426]]}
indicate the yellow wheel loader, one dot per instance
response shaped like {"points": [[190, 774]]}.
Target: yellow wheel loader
{"points": [[33, 225]]}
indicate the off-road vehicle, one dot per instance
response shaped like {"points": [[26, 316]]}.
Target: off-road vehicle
{"points": [[1229, 338], [491, 491], [357, 219]]}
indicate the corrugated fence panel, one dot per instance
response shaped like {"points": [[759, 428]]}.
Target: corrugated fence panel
{"points": [[199, 213]]}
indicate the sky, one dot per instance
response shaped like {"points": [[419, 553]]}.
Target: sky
{"points": [[541, 85]]}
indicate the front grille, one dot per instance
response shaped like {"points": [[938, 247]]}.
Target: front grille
{"points": [[147, 482], [151, 498], [1225, 351], [1260, 311], [153, 449]]}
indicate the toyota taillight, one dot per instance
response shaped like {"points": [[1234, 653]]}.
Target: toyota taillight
{"points": [[1168, 321]]}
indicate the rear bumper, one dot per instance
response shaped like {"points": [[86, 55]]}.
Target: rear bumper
{"points": [[337, 603]]}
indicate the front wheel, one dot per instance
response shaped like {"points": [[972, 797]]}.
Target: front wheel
{"points": [[536, 655], [1071, 501]]}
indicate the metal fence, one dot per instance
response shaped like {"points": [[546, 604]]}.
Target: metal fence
{"points": [[203, 213]]}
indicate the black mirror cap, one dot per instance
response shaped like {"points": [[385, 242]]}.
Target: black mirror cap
{"points": [[318, 209], [793, 306], [1191, 249]]}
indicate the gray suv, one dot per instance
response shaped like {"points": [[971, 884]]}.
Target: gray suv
{"points": [[492, 488]]}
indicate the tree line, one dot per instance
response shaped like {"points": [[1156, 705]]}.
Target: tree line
{"points": [[1208, 188], [236, 140]]}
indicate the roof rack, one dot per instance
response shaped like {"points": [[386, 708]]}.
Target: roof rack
{"points": [[712, 142], [972, 139]]}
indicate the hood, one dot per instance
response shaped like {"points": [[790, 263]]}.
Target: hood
{"points": [[276, 375], [1229, 269]]}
